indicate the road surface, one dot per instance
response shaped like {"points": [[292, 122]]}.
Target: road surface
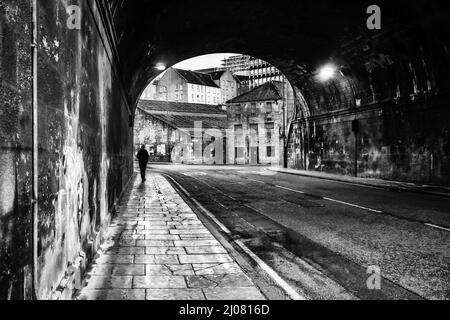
{"points": [[326, 238]]}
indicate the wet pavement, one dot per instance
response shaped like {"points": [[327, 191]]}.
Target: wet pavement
{"points": [[158, 249], [338, 229]]}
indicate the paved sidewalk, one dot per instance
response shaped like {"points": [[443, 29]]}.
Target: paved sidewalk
{"points": [[393, 185], [158, 249]]}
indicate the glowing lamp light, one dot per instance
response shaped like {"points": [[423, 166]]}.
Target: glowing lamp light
{"points": [[327, 72], [160, 67]]}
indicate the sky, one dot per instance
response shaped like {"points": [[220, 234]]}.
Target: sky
{"points": [[204, 62]]}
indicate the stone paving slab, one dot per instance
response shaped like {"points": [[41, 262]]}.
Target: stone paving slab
{"points": [[158, 249]]}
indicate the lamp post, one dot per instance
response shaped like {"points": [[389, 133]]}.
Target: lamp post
{"points": [[285, 149]]}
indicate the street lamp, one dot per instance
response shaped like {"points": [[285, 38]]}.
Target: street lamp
{"points": [[160, 66], [327, 72]]}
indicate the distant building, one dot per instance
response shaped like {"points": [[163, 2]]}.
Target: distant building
{"points": [[167, 129], [236, 64], [230, 85], [255, 124], [150, 93], [214, 86], [211, 70], [261, 72], [243, 83], [258, 71], [185, 86]]}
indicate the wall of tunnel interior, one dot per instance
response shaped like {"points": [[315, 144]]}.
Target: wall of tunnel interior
{"points": [[85, 143], [394, 82]]}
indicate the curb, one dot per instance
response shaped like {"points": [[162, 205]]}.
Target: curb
{"points": [[227, 241], [391, 188]]}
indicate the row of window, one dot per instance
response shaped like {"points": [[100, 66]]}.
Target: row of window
{"points": [[227, 84], [263, 71], [201, 99], [239, 136], [270, 152], [238, 110], [258, 62], [258, 82]]}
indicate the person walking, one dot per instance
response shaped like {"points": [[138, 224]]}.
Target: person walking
{"points": [[143, 158]]}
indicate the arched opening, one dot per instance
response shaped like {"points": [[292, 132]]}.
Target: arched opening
{"points": [[247, 100], [367, 103]]}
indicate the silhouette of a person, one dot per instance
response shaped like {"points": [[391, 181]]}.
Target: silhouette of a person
{"points": [[143, 158]]}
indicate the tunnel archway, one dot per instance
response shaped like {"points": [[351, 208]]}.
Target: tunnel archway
{"points": [[394, 82], [223, 86], [380, 72]]}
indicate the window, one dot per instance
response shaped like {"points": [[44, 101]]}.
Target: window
{"points": [[253, 110], [270, 130], [238, 134], [269, 107], [254, 134], [270, 152], [238, 110]]}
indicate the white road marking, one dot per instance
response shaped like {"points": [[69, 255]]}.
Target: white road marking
{"points": [[334, 200], [294, 295], [436, 227], [297, 191], [353, 205], [192, 174], [262, 182]]}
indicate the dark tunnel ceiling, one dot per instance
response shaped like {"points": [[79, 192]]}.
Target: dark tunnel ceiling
{"points": [[292, 35]]}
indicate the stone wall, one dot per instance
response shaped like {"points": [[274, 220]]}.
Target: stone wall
{"points": [[155, 135], [401, 141], [397, 88], [85, 143], [15, 149]]}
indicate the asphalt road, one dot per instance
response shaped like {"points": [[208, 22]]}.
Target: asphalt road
{"points": [[321, 236]]}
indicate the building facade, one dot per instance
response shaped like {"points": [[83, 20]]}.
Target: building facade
{"points": [[261, 72], [178, 85], [256, 122], [229, 85], [180, 132], [237, 64], [258, 71]]}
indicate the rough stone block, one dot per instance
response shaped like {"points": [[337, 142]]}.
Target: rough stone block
{"points": [[207, 258], [129, 270], [109, 282], [175, 294], [223, 281], [113, 294], [170, 270], [159, 282], [157, 259], [196, 243]]}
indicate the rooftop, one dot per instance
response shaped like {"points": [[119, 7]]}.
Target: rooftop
{"points": [[197, 78], [183, 115], [269, 91]]}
